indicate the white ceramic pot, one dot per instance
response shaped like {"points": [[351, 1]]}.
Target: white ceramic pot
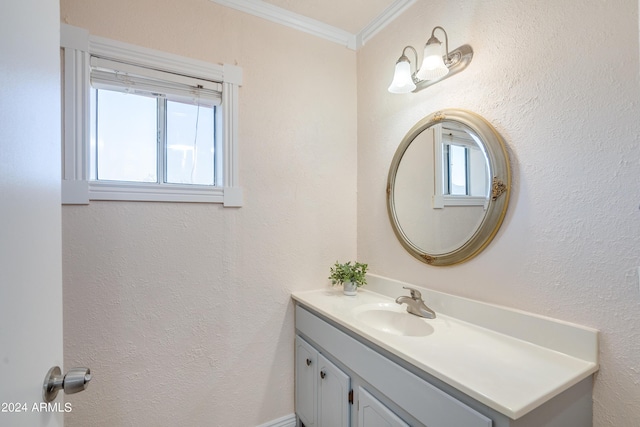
{"points": [[349, 288]]}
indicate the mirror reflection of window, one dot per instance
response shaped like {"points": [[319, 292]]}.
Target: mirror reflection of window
{"points": [[463, 169], [457, 173]]}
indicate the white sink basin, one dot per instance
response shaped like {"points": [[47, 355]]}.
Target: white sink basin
{"points": [[392, 319]]}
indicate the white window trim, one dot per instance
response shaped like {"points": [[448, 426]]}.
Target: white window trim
{"points": [[78, 47]]}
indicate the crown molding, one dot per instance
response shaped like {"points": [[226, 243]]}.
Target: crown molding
{"points": [[317, 28], [293, 20], [394, 10]]}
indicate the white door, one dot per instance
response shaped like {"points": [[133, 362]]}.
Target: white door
{"points": [[30, 242]]}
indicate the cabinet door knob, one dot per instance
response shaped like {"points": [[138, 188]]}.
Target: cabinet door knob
{"points": [[308, 362], [322, 374]]}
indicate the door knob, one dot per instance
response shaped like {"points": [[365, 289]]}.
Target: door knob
{"points": [[73, 381]]}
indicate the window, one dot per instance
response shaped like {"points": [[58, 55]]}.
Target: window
{"points": [[461, 171], [144, 125], [456, 170], [152, 130]]}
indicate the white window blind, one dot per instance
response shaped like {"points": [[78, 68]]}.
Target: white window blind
{"points": [[113, 75]]}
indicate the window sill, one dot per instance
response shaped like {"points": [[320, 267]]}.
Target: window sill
{"points": [[440, 201], [81, 192]]}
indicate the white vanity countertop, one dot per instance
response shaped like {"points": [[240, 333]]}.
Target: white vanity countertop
{"points": [[504, 371]]}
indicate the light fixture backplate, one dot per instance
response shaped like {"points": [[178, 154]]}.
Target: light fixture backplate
{"points": [[464, 52]]}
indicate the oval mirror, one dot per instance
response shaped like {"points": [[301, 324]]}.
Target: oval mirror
{"points": [[448, 187]]}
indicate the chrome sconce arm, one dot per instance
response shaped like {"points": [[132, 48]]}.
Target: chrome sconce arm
{"points": [[435, 67]]}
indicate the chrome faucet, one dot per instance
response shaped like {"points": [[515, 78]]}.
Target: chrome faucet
{"points": [[415, 304]]}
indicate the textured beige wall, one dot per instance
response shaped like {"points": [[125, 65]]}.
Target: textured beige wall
{"points": [[183, 311], [559, 81]]}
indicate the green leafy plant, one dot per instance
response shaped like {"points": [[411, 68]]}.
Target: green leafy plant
{"points": [[348, 272]]}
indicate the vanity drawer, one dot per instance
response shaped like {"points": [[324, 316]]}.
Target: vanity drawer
{"points": [[422, 400]]}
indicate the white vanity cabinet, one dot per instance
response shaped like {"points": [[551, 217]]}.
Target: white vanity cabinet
{"points": [[324, 396], [322, 389], [327, 387], [389, 391]]}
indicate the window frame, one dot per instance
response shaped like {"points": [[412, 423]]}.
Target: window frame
{"points": [[77, 47]]}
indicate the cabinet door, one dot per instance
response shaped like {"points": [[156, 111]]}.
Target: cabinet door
{"points": [[306, 382], [372, 413], [333, 395]]}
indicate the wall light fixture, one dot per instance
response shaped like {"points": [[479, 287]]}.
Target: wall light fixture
{"points": [[435, 67]]}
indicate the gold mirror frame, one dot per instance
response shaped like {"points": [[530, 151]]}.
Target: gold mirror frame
{"points": [[498, 200]]}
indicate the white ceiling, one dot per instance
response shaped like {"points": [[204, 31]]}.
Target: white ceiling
{"points": [[348, 22]]}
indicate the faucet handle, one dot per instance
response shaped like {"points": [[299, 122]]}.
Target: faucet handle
{"points": [[415, 294]]}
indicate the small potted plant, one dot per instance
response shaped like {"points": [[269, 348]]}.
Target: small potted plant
{"points": [[351, 276]]}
